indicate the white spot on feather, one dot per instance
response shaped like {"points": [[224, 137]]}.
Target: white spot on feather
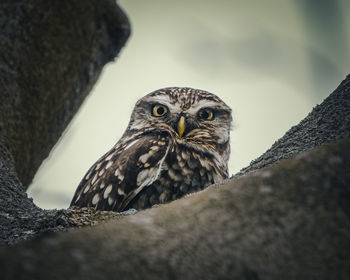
{"points": [[109, 164], [109, 157], [98, 166], [205, 163], [110, 201], [86, 188], [102, 185], [185, 155], [94, 179], [145, 177], [88, 176], [95, 199], [186, 171], [119, 175], [107, 191], [145, 157], [173, 175], [120, 191]]}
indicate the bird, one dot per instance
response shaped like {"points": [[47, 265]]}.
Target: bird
{"points": [[177, 142]]}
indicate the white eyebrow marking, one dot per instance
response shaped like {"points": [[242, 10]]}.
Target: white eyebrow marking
{"points": [[165, 100], [201, 104]]}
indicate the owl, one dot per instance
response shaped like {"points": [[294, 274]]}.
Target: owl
{"points": [[177, 142]]}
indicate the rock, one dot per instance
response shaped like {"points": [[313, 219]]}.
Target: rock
{"points": [[51, 54], [286, 221]]}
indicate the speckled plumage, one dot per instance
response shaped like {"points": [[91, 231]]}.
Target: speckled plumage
{"points": [[177, 142]]}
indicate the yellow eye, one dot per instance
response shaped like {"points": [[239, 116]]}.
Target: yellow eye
{"points": [[206, 114], [159, 110]]}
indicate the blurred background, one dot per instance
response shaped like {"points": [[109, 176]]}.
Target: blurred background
{"points": [[271, 61]]}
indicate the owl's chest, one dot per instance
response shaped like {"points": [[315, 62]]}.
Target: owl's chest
{"points": [[183, 171], [187, 170]]}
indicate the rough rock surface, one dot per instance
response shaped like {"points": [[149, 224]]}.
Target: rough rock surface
{"points": [[286, 221], [51, 53]]}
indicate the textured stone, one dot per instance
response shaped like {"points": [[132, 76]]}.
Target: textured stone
{"points": [[286, 221], [51, 53]]}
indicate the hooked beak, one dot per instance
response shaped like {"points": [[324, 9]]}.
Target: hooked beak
{"points": [[181, 126]]}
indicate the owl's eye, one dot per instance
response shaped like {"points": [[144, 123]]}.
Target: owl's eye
{"points": [[206, 115], [159, 110]]}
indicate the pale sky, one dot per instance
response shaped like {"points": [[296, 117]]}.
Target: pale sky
{"points": [[271, 61]]}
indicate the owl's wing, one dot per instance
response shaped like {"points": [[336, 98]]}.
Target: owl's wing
{"points": [[116, 178]]}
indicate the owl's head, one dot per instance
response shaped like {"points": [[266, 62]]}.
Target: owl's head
{"points": [[191, 116]]}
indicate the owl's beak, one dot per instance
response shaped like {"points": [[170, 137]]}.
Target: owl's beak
{"points": [[181, 126]]}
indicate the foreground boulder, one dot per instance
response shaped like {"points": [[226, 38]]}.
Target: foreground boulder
{"points": [[286, 221], [51, 54]]}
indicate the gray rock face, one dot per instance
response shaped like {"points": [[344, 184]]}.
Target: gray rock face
{"points": [[51, 53], [287, 221]]}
